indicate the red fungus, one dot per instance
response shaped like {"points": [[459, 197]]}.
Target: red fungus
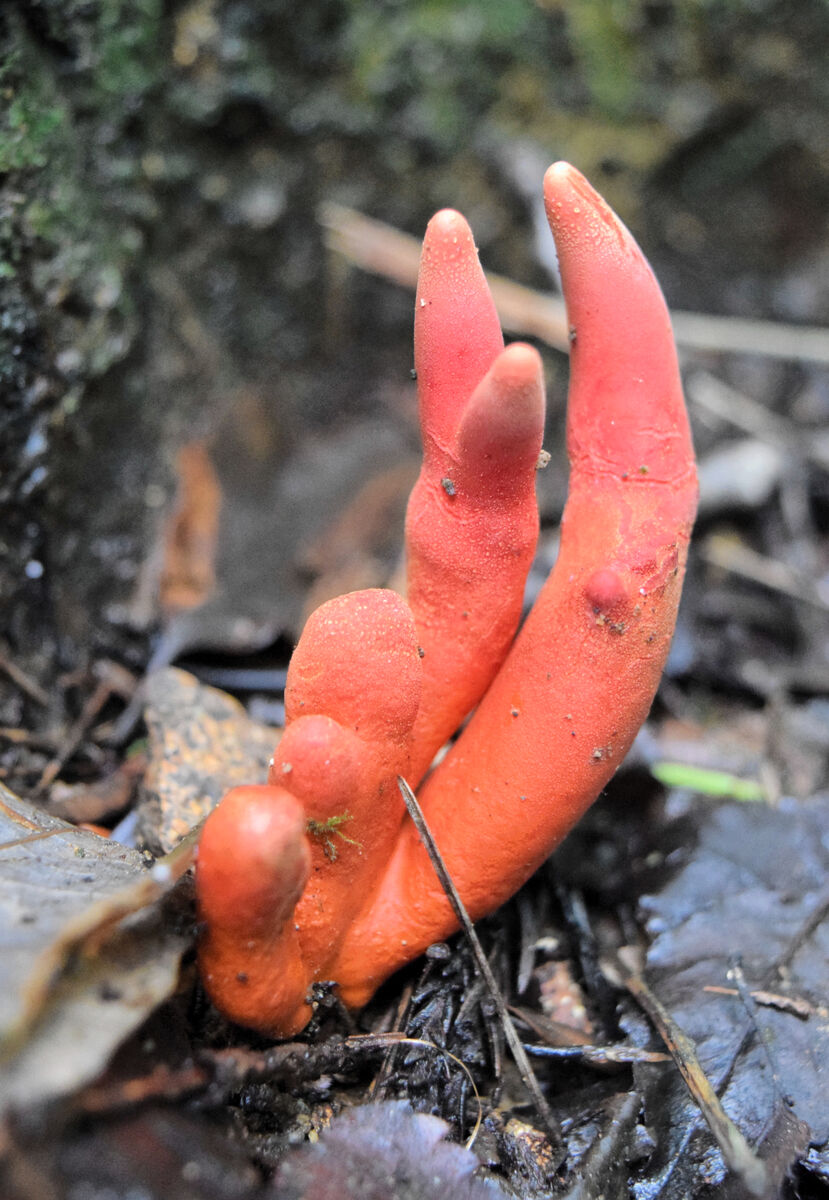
{"points": [[563, 710], [553, 720], [351, 698], [254, 862], [472, 522]]}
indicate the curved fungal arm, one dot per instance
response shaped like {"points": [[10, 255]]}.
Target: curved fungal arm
{"points": [[577, 684], [472, 521]]}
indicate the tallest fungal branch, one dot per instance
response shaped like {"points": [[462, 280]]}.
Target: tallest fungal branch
{"points": [[319, 874]]}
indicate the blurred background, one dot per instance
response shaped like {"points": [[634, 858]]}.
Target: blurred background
{"points": [[207, 420]]}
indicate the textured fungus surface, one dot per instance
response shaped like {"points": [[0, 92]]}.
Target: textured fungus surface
{"points": [[376, 687]]}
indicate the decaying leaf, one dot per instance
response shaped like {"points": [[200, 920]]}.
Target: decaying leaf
{"points": [[356, 550], [274, 508], [201, 743], [383, 1150], [85, 952], [746, 917], [188, 574], [154, 1154]]}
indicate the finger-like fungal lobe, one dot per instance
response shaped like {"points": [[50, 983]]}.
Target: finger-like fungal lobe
{"points": [[254, 862], [284, 868], [352, 695], [320, 874], [562, 711], [472, 521]]}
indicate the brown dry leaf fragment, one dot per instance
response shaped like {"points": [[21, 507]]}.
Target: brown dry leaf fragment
{"points": [[188, 574], [561, 998], [201, 743], [273, 507], [75, 977], [101, 800]]}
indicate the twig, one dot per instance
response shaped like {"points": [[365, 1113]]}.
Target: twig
{"points": [[738, 1155], [22, 681], [114, 681], [383, 250], [720, 400], [374, 1041], [786, 1004], [598, 1056], [518, 1052], [741, 560], [380, 1079]]}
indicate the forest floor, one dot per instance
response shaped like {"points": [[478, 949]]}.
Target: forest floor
{"points": [[209, 426]]}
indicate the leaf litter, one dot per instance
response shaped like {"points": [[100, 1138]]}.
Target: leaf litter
{"points": [[738, 954], [86, 949]]}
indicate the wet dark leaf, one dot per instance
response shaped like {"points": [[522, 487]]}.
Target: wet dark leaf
{"points": [[155, 1155], [746, 916]]}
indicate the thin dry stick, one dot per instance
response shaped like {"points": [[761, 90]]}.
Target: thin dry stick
{"points": [[383, 250], [724, 402], [738, 1155], [518, 1052], [741, 560], [372, 1040], [22, 681]]}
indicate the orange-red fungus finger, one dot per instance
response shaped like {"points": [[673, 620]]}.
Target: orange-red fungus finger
{"points": [[352, 694], [457, 335], [579, 680], [253, 864], [472, 521]]}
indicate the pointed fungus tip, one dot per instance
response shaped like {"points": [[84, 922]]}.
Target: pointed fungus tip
{"points": [[449, 239], [518, 366], [580, 218], [448, 223], [563, 181]]}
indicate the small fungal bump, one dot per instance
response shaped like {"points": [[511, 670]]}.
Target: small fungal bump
{"points": [[572, 335], [643, 470], [513, 712], [421, 652], [413, 374], [605, 592], [543, 460], [598, 754], [448, 486]]}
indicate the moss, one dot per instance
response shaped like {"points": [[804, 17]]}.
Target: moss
{"points": [[32, 119], [129, 39], [603, 44]]}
